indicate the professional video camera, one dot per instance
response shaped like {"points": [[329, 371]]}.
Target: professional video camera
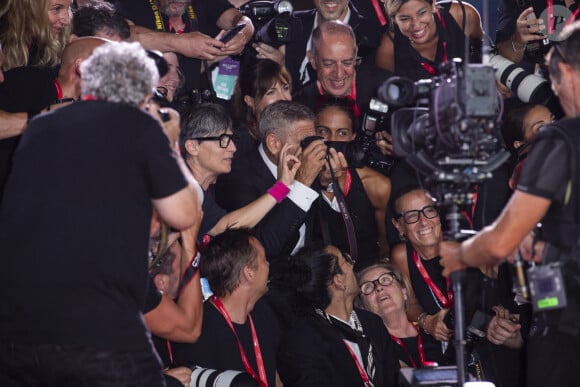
{"points": [[451, 135], [273, 21]]}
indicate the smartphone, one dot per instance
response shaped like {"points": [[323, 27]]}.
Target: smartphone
{"points": [[231, 33]]}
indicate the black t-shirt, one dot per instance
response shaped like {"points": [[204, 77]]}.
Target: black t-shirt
{"points": [[28, 90], [207, 14], [217, 347], [75, 224], [546, 168]]}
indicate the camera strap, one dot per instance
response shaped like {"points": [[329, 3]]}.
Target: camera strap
{"points": [[378, 10], [261, 378], [160, 23], [346, 217]]}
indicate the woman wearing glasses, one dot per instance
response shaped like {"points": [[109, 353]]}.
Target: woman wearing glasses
{"points": [[384, 292], [430, 297], [332, 343], [207, 144], [416, 218]]}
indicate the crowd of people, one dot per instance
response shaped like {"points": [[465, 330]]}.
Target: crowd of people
{"points": [[181, 203]]}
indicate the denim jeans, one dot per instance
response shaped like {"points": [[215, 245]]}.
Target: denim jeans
{"points": [[61, 365]]}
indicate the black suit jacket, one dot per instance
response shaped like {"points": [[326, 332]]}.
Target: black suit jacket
{"points": [[368, 37], [249, 179], [312, 353]]}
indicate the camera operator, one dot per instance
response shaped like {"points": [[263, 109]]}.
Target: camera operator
{"points": [[75, 219], [366, 191], [334, 58], [547, 191]]}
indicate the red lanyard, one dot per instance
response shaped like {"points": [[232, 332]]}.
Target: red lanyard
{"points": [[262, 379], [445, 302], [363, 374], [430, 69], [379, 12], [424, 361], [571, 18], [58, 89], [352, 97]]}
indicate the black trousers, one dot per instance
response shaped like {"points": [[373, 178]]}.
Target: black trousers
{"points": [[553, 360], [54, 365]]}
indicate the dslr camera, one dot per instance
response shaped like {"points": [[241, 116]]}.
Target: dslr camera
{"points": [[273, 21], [362, 151]]}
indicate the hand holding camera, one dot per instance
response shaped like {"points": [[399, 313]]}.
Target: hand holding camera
{"points": [[313, 158], [528, 27], [436, 327], [335, 167]]}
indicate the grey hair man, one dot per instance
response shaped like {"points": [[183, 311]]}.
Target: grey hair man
{"points": [[75, 220], [284, 229]]}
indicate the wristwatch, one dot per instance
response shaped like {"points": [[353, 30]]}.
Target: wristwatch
{"points": [[329, 188]]}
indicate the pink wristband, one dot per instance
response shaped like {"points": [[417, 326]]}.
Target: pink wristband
{"points": [[279, 191]]}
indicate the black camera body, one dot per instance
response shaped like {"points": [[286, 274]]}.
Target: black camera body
{"points": [[362, 151], [476, 328], [273, 21]]}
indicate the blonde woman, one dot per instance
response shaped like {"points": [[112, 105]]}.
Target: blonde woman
{"points": [[34, 32]]}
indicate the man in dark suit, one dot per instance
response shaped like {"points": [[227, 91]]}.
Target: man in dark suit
{"points": [[288, 225], [367, 28], [334, 58]]}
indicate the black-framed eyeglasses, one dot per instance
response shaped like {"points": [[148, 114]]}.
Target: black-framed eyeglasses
{"points": [[385, 279], [224, 139], [412, 216]]}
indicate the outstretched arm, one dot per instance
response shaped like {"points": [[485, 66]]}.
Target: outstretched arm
{"points": [[252, 213]]}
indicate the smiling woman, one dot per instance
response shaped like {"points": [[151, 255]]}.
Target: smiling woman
{"points": [[417, 220], [34, 32], [426, 34]]}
